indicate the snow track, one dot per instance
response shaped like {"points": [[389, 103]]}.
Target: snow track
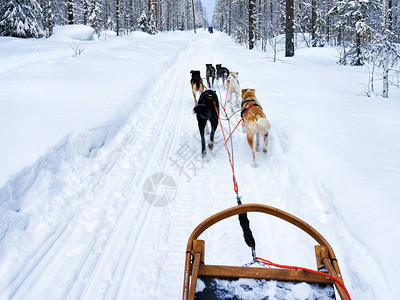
{"points": [[80, 227]]}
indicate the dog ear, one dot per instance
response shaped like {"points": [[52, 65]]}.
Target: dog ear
{"points": [[253, 90], [191, 72]]}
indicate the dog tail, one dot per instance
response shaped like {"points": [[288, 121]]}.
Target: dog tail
{"points": [[263, 125], [202, 111]]}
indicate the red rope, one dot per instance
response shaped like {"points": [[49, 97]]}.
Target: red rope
{"points": [[226, 97], [201, 80], [233, 130], [270, 263], [235, 185]]}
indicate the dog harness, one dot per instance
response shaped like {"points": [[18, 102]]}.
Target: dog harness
{"points": [[245, 109]]}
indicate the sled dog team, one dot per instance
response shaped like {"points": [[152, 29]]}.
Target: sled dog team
{"points": [[207, 107]]}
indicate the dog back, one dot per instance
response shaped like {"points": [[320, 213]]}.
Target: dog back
{"points": [[207, 105], [210, 70], [251, 108], [196, 79], [222, 71]]}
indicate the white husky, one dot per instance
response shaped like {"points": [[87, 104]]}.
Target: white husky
{"points": [[234, 88]]}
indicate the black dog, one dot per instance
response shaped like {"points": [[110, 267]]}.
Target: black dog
{"points": [[210, 73], [207, 110], [222, 72]]}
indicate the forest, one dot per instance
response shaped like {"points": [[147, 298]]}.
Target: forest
{"points": [[363, 31]]}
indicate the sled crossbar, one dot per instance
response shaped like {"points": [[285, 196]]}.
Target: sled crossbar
{"points": [[195, 253], [261, 273]]}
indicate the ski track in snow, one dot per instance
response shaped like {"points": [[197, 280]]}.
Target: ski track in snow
{"points": [[111, 244]]}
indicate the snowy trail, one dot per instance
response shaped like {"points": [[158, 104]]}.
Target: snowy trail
{"points": [[92, 235]]}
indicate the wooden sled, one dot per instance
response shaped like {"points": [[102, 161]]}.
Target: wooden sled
{"points": [[197, 271]]}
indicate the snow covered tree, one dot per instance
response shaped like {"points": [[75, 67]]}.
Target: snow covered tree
{"points": [[383, 57], [21, 18], [351, 24], [142, 22], [289, 29], [152, 29], [318, 37], [94, 19], [302, 20], [70, 11], [162, 23], [117, 11], [252, 8], [181, 24], [48, 17], [85, 9]]}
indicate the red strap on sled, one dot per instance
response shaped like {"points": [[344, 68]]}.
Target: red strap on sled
{"points": [[270, 263]]}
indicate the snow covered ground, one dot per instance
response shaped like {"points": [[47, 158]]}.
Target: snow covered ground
{"points": [[81, 134]]}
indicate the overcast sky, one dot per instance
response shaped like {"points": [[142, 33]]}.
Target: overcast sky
{"points": [[209, 4]]}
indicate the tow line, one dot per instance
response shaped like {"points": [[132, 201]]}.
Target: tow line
{"points": [[244, 221]]}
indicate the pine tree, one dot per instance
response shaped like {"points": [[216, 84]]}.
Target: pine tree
{"points": [[351, 23], [182, 22], [70, 12], [152, 21], [21, 18], [48, 17], [162, 24], [318, 38], [303, 20], [94, 19], [142, 22]]}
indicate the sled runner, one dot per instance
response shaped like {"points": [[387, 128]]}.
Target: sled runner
{"points": [[202, 281]]}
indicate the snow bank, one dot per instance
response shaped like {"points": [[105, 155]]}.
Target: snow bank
{"points": [[72, 33]]}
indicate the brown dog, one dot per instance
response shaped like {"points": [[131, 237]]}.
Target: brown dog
{"points": [[254, 121], [197, 84]]}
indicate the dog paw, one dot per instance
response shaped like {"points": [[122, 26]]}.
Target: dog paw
{"points": [[258, 149], [265, 150], [211, 146], [203, 153], [255, 165]]}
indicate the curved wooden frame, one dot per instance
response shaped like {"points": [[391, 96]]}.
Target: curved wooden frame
{"points": [[195, 248]]}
